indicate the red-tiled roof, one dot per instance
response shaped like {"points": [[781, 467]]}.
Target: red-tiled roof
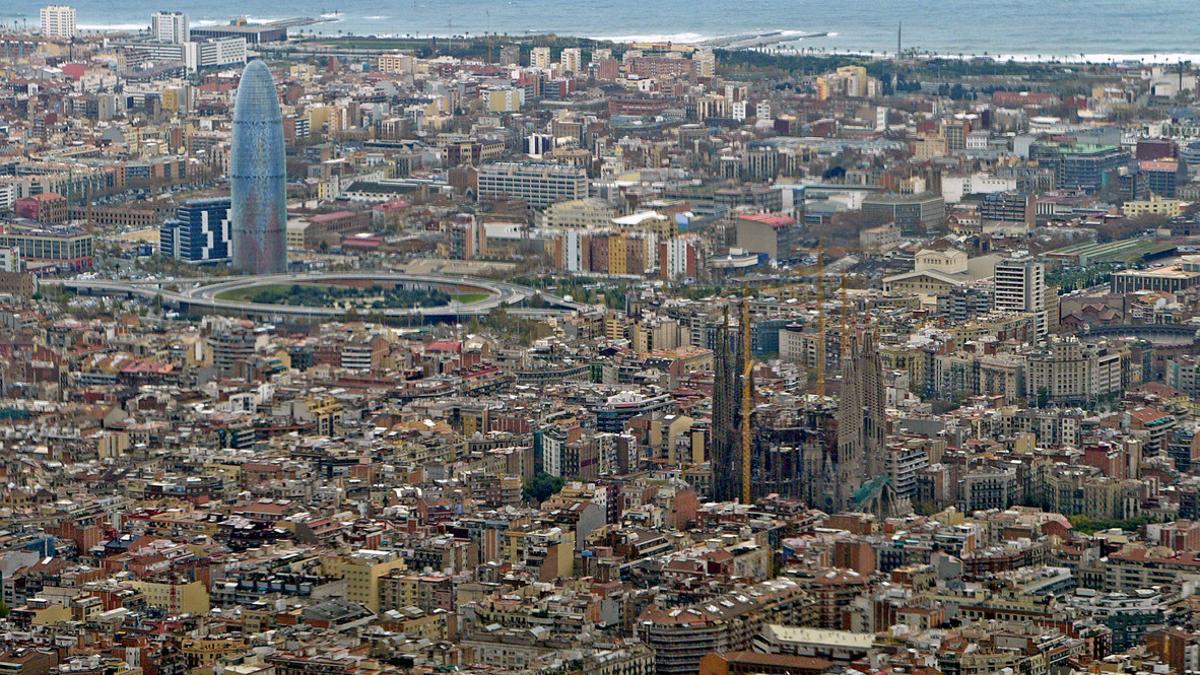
{"points": [[774, 220]]}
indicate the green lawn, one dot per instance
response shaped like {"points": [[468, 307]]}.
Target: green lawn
{"points": [[245, 294], [248, 294], [469, 298]]}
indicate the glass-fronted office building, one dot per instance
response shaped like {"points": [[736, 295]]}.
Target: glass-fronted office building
{"points": [[199, 232], [258, 175]]}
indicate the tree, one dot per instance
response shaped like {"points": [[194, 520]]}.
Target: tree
{"points": [[541, 487], [1043, 397], [1090, 525]]}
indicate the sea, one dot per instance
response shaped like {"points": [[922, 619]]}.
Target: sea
{"points": [[1162, 31]]}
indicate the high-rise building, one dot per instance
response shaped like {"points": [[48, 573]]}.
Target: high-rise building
{"points": [[571, 60], [706, 62], [539, 57], [1020, 286], [199, 233], [169, 27], [214, 53], [258, 176], [58, 21]]}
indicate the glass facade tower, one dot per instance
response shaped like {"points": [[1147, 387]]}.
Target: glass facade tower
{"points": [[199, 232], [257, 175]]}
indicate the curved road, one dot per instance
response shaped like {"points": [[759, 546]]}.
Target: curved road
{"points": [[500, 294]]}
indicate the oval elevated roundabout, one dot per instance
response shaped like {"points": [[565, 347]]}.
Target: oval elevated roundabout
{"points": [[461, 296]]}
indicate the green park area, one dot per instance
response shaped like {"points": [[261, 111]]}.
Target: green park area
{"points": [[376, 296], [469, 298]]}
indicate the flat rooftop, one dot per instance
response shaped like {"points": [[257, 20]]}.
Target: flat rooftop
{"points": [[804, 635], [1167, 272]]}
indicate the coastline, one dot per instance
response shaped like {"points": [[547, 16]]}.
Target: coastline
{"points": [[784, 42], [699, 40]]}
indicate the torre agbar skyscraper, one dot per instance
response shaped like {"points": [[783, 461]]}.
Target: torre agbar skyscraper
{"points": [[257, 175]]}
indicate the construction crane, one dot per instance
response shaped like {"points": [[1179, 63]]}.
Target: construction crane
{"points": [[747, 394], [817, 269], [789, 286]]}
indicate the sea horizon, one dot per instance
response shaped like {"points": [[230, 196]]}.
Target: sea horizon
{"points": [[1023, 30]]}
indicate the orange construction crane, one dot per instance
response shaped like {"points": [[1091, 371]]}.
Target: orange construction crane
{"points": [[818, 270]]}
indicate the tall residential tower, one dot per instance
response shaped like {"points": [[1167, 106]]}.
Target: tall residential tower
{"points": [[58, 21], [257, 175], [169, 27], [1020, 286]]}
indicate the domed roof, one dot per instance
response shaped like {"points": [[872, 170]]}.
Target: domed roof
{"points": [[256, 97]]}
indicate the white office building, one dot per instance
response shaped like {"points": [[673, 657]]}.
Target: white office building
{"points": [[538, 184], [214, 53], [58, 21], [169, 27], [1020, 286]]}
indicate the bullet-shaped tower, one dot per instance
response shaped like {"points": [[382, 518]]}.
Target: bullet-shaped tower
{"points": [[257, 175]]}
